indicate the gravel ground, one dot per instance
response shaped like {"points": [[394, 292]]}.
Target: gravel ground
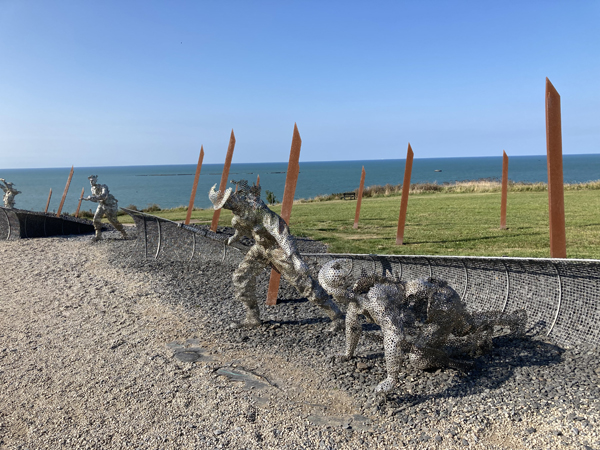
{"points": [[99, 349]]}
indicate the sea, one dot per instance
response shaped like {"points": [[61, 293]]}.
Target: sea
{"points": [[170, 186]]}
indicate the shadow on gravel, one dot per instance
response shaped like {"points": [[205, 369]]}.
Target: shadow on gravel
{"points": [[492, 370]]}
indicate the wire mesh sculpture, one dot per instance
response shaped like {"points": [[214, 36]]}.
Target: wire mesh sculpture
{"points": [[424, 318], [107, 207], [274, 246], [9, 193]]}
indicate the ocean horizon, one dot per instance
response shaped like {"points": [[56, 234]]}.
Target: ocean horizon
{"points": [[170, 186]]}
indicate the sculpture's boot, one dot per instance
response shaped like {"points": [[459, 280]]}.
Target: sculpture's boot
{"points": [[121, 229], [98, 235], [252, 319]]}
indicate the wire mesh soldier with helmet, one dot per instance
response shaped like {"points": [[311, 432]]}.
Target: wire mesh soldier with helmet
{"points": [[9, 193], [107, 207], [274, 246]]}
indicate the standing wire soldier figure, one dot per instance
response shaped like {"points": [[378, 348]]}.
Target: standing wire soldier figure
{"points": [[274, 247], [9, 193], [107, 207]]}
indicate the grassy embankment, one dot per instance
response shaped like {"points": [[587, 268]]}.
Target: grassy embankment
{"points": [[457, 219]]}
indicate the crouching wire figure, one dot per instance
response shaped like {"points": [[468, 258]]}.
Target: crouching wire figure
{"points": [[424, 318], [274, 246], [107, 207], [9, 193]]}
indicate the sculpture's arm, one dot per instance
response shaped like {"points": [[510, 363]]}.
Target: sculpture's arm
{"points": [[239, 231]]}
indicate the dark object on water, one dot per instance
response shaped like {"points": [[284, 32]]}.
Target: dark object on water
{"points": [[20, 223], [437, 170]]}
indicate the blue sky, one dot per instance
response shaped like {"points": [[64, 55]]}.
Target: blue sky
{"points": [[148, 82]]}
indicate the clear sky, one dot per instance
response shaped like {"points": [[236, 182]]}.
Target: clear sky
{"points": [[96, 83]]}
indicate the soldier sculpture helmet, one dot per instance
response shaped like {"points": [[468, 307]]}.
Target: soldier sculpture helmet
{"points": [[218, 198], [93, 178]]}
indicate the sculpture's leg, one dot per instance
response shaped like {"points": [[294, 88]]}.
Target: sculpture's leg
{"points": [[98, 223], [244, 285], [111, 215], [353, 330], [295, 271]]}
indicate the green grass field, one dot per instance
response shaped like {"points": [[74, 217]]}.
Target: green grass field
{"points": [[442, 223]]}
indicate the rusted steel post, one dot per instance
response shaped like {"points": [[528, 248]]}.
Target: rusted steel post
{"points": [[48, 202], [196, 176], [258, 180], [404, 201], [62, 200], [79, 204], [504, 191], [556, 199], [291, 179], [224, 177], [359, 198]]}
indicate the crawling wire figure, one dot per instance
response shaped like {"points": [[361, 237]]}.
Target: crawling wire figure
{"points": [[9, 193], [107, 207], [274, 246], [425, 318]]}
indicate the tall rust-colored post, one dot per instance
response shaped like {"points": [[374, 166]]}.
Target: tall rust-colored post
{"points": [[79, 204], [291, 179], [258, 180], [193, 195], [504, 191], [404, 201], [556, 199], [48, 202], [62, 200], [359, 199], [224, 177]]}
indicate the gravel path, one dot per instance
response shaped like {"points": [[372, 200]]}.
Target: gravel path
{"points": [[101, 350]]}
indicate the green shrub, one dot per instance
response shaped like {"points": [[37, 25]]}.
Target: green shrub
{"points": [[152, 207]]}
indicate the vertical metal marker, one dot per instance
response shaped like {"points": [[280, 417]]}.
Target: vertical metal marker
{"points": [[359, 198], [79, 204], [62, 200], [504, 191], [48, 202], [193, 195], [291, 179], [556, 199], [404, 201], [224, 177]]}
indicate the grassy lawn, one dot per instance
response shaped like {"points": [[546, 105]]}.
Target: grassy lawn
{"points": [[442, 224]]}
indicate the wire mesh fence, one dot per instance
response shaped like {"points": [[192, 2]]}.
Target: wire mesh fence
{"points": [[561, 296]]}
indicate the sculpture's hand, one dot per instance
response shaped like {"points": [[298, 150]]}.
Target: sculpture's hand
{"points": [[385, 386]]}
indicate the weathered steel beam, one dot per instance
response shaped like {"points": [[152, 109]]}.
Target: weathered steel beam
{"points": [[62, 200], [48, 202], [504, 191], [224, 177], [404, 201], [359, 199], [291, 180], [196, 177], [79, 204], [556, 200]]}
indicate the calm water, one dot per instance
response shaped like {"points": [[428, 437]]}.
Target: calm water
{"points": [[170, 186]]}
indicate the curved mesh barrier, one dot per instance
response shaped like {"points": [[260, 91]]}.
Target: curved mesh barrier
{"points": [[561, 296], [19, 223]]}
